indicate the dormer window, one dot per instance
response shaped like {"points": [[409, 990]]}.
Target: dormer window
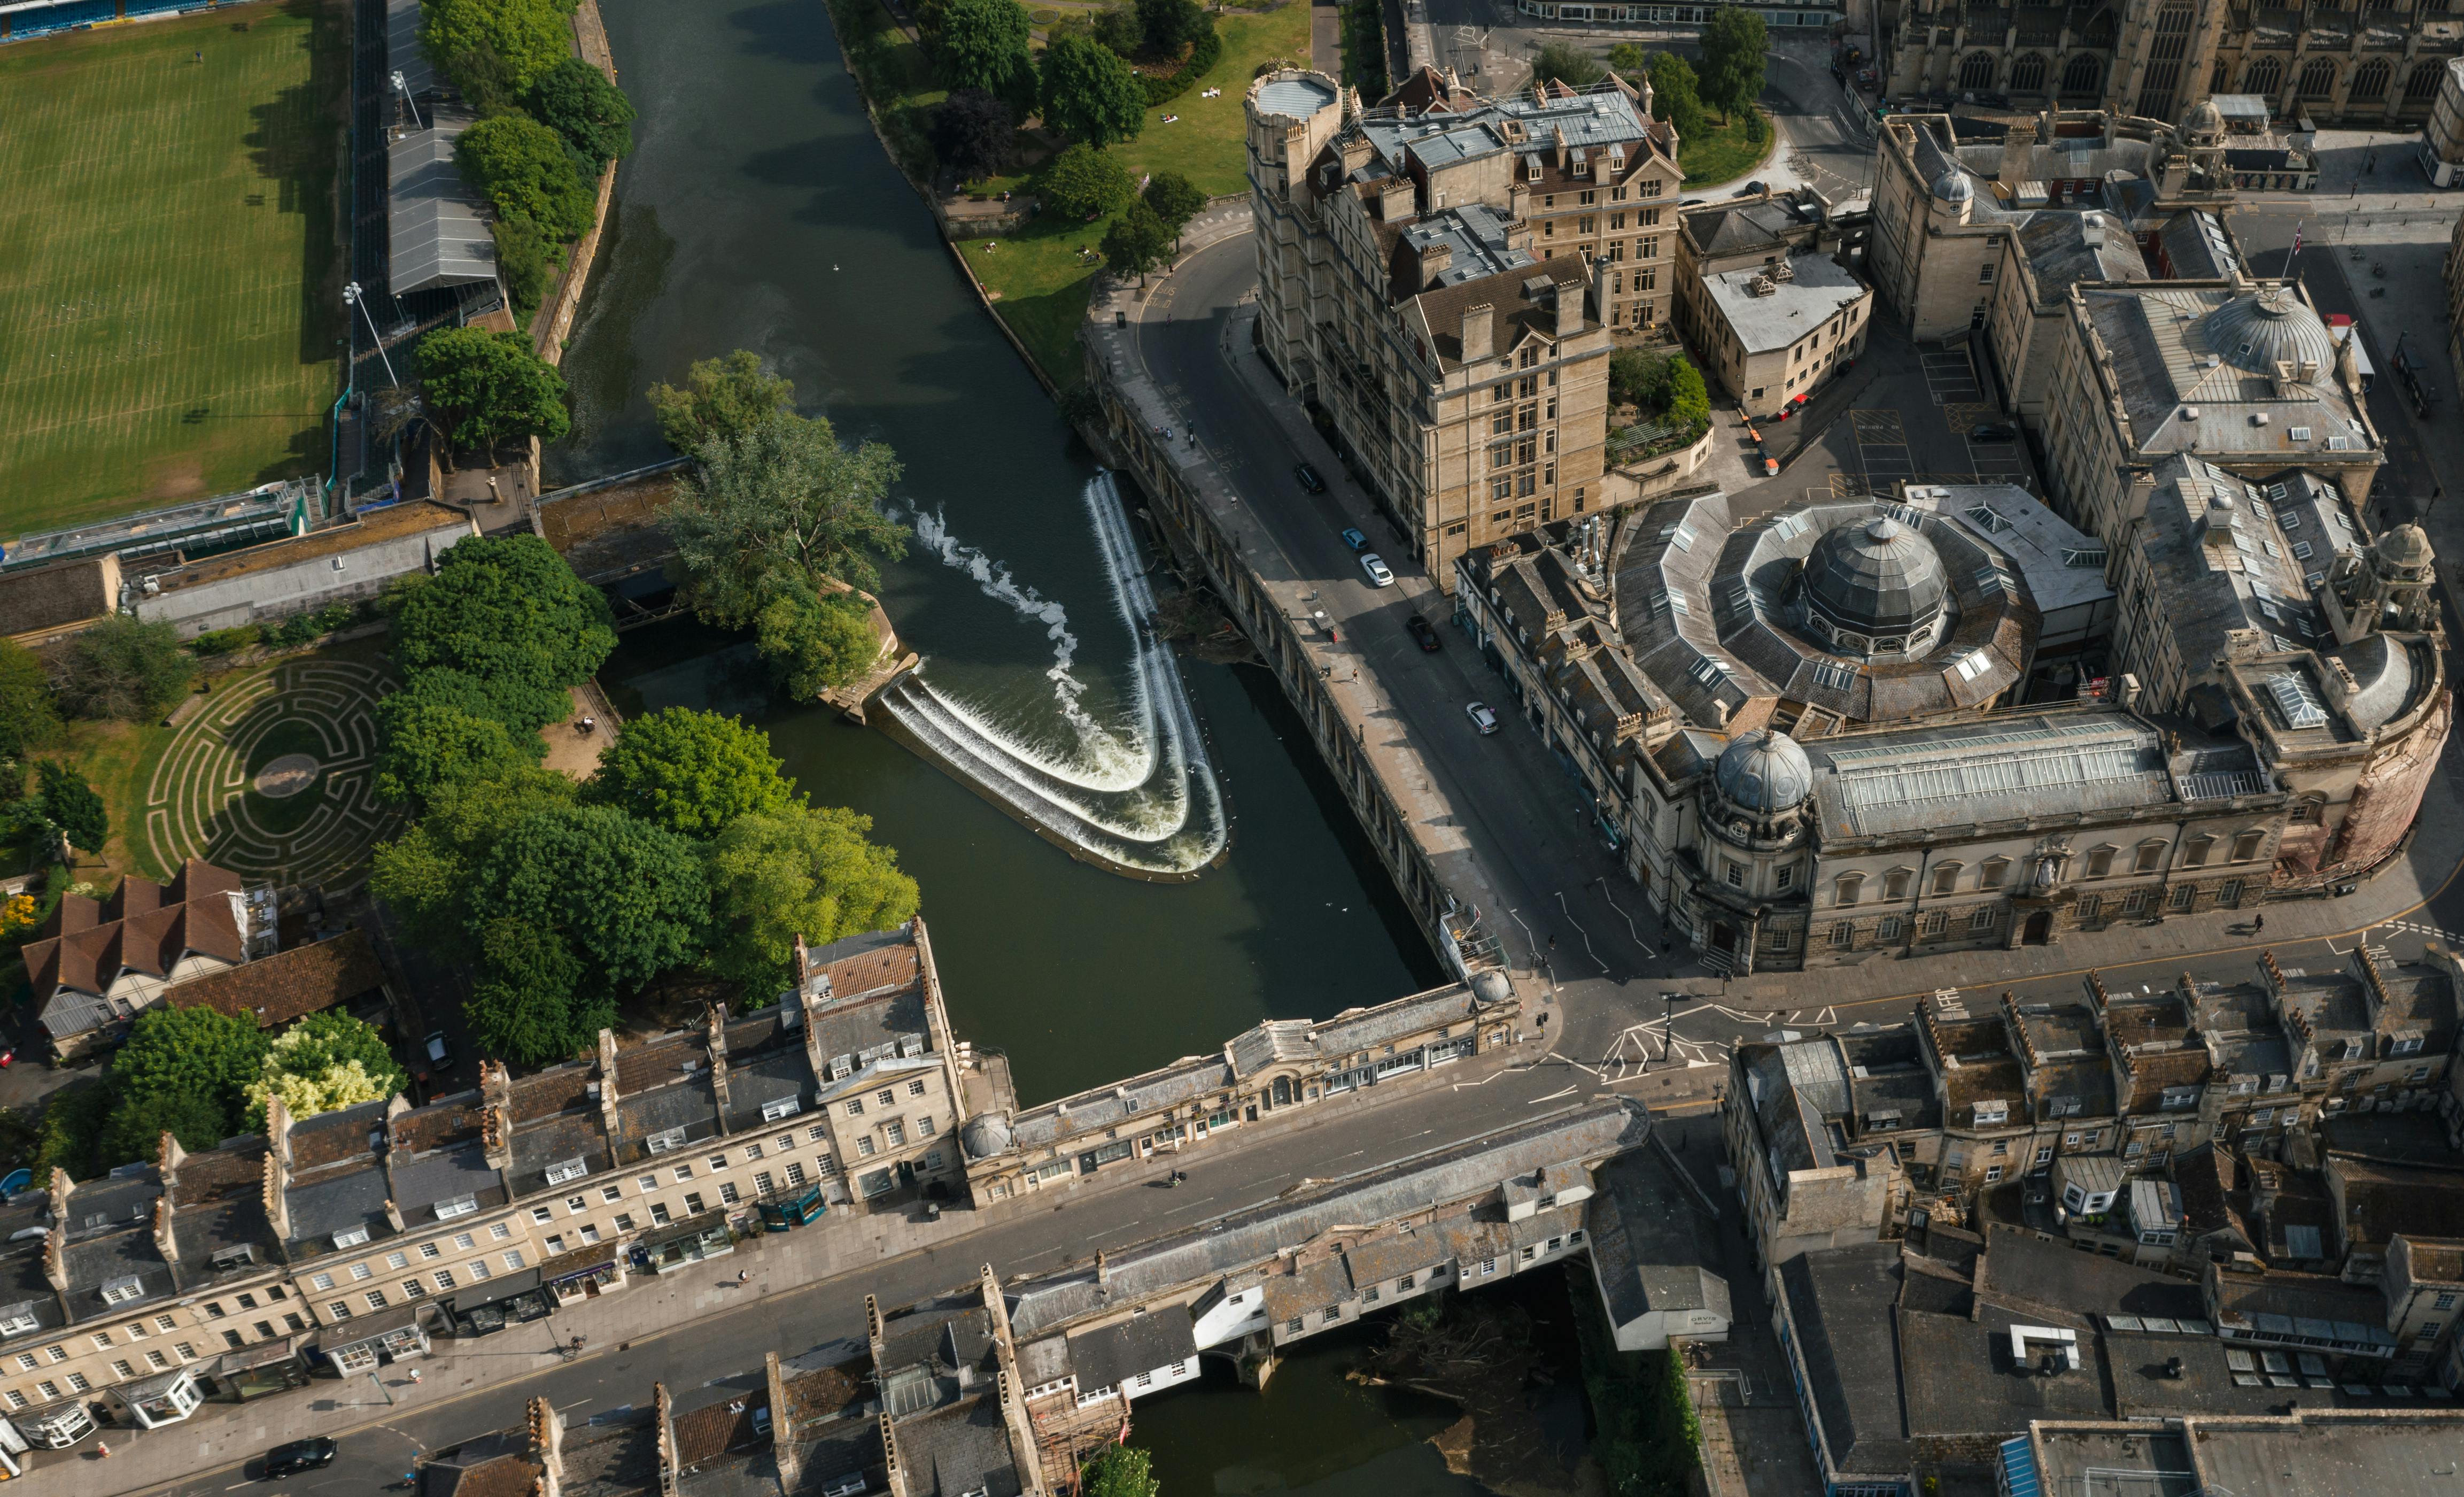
{"points": [[781, 1107], [350, 1237], [567, 1170], [1532, 168], [18, 1319], [1992, 1112], [662, 1143], [118, 1291], [2176, 1098], [458, 1207]]}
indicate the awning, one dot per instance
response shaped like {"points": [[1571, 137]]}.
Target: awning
{"points": [[502, 1287], [577, 1265], [265, 1353], [363, 1329], [681, 1232]]}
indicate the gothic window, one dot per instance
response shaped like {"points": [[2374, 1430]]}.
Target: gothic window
{"points": [[2421, 84], [2218, 79], [2263, 78], [1977, 72], [2027, 75], [2082, 75], [2319, 79], [2370, 82]]}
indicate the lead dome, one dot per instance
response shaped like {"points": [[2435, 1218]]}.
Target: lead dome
{"points": [[2257, 331], [1764, 772], [986, 1134], [1879, 578]]}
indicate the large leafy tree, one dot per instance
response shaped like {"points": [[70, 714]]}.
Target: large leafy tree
{"points": [[430, 744], [528, 1006], [484, 388], [1089, 93], [509, 612], [1676, 95], [797, 872], [578, 102], [691, 772], [1119, 1471], [530, 35], [27, 717], [71, 806], [1085, 182], [525, 167], [984, 47], [1567, 62], [721, 399], [627, 897], [183, 1069], [814, 641], [1734, 41], [786, 501], [1176, 201], [425, 874], [1136, 243], [974, 133], [1171, 27], [121, 667], [324, 1061]]}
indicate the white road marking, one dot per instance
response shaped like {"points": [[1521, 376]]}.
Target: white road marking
{"points": [[1551, 1096]]}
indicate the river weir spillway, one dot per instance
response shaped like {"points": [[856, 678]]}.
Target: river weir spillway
{"points": [[1137, 794]]}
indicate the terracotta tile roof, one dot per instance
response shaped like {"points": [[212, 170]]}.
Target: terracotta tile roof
{"points": [[290, 984], [824, 1392], [657, 1063], [144, 926], [210, 1176], [551, 1092], [330, 1137], [711, 1431], [436, 1126], [883, 966]]}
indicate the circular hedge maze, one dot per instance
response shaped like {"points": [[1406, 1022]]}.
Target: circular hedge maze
{"points": [[274, 778]]}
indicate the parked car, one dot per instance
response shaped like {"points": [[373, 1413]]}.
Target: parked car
{"points": [[313, 1454], [1991, 431], [1749, 189], [1380, 575], [1418, 628], [1482, 717], [1355, 539], [440, 1053], [1309, 477]]}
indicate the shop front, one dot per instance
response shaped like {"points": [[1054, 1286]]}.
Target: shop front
{"points": [[367, 1342], [509, 1299], [56, 1427], [268, 1367], [792, 1208], [586, 1274], [152, 1402], [691, 1241]]}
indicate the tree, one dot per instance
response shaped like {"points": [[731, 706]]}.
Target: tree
{"points": [[1684, 397], [814, 642], [524, 1009], [984, 47], [1734, 41], [1171, 27], [486, 387], [523, 708], [1628, 61], [1568, 63], [974, 133], [72, 807], [525, 260], [578, 102], [425, 874], [522, 166], [721, 398], [69, 1134], [530, 35], [1118, 28], [1089, 93], [1119, 1471], [1176, 201], [1675, 95], [1137, 242], [691, 772], [509, 612], [183, 1069], [626, 897], [786, 500], [1086, 182], [28, 718], [124, 669], [429, 745], [324, 1061], [1632, 375], [800, 871], [484, 80]]}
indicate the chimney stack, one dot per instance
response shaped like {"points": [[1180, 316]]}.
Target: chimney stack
{"points": [[717, 1043], [548, 1444], [670, 1472], [1569, 308], [607, 1083], [2019, 151], [1479, 332], [787, 1452], [166, 1241]]}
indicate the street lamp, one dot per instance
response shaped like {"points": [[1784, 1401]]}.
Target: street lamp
{"points": [[359, 298], [403, 86]]}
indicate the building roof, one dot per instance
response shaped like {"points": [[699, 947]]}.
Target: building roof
{"points": [[290, 984], [1767, 313], [1839, 1304], [2062, 567], [1109, 1356], [1897, 780], [2063, 249], [38, 598], [2194, 364], [435, 232], [961, 1450], [370, 527], [1652, 1251]]}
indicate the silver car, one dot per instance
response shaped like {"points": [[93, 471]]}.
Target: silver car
{"points": [[1380, 575], [1482, 717]]}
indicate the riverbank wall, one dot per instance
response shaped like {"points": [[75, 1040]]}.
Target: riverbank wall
{"points": [[553, 321]]}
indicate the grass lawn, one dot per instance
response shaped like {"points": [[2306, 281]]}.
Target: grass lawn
{"points": [[170, 280], [1040, 282], [1722, 153]]}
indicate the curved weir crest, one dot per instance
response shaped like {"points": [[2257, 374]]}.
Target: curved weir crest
{"points": [[1138, 796]]}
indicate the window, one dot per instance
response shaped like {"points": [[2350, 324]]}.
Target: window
{"points": [[659, 1213], [864, 1148], [2180, 896], [376, 1301], [781, 1107], [693, 1203], [1888, 930], [119, 1290], [18, 1400], [624, 1221], [350, 1237], [48, 1389], [513, 1259], [359, 1271], [1784, 876], [752, 1151], [1981, 919], [885, 1097], [1735, 874], [1933, 923], [915, 1089], [1843, 935], [2150, 856], [2044, 1154], [566, 1170], [795, 1174], [684, 1172], [662, 1143], [2246, 846], [1894, 884], [459, 1207], [187, 1353], [58, 1354], [465, 1241], [923, 1127], [166, 1324], [727, 1191], [612, 1194], [1845, 889], [444, 1280], [319, 1281], [761, 1182], [647, 1182], [2099, 862], [855, 1107], [576, 1206], [397, 1259], [78, 1384], [1945, 878], [1991, 874], [2195, 855], [124, 1369]]}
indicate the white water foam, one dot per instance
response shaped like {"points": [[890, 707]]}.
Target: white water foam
{"points": [[1141, 793]]}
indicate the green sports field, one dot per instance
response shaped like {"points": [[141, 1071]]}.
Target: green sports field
{"points": [[170, 278]]}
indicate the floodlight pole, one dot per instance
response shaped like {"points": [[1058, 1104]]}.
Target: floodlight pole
{"points": [[403, 85], [358, 298]]}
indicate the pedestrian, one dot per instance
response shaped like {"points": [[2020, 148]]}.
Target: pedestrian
{"points": [[201, 56], [1553, 941], [102, 1449], [2257, 924], [743, 1275], [414, 1376]]}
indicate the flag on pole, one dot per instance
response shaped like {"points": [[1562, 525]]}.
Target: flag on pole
{"points": [[2293, 259]]}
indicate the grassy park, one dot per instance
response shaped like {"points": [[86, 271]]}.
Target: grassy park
{"points": [[1719, 153], [170, 272]]}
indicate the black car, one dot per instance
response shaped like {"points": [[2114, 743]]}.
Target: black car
{"points": [[301, 1455], [1309, 477], [1749, 189], [1988, 431], [1418, 628]]}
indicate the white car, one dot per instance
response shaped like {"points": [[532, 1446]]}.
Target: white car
{"points": [[1380, 575], [1482, 717]]}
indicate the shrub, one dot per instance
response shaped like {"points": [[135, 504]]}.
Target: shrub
{"points": [[530, 35], [124, 669], [225, 642], [525, 259], [1208, 51], [1084, 182], [522, 166]]}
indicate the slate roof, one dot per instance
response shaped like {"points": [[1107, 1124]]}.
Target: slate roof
{"points": [[38, 598], [1651, 1249], [2052, 1283], [1961, 1380], [1522, 301], [2383, 1199], [2160, 337], [1306, 1291], [1839, 1301], [421, 1184], [956, 1450], [1109, 1356]]}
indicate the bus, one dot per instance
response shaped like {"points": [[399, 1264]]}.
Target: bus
{"points": [[781, 1213]]}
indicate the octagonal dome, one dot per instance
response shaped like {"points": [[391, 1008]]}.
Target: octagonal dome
{"points": [[1879, 578], [1765, 772], [2204, 122], [1954, 187], [2255, 331], [986, 1134], [2403, 550]]}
